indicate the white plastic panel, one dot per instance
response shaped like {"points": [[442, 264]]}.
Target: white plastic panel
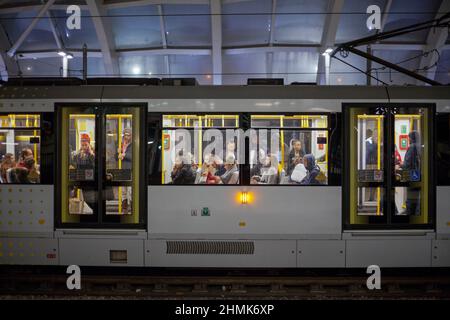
{"points": [[268, 254], [33, 251], [26, 209], [441, 253], [279, 211], [97, 252], [443, 212], [388, 253], [321, 254]]}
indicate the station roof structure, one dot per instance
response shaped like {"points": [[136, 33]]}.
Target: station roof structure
{"points": [[221, 41]]}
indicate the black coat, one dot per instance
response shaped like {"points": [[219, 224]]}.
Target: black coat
{"points": [[185, 175]]}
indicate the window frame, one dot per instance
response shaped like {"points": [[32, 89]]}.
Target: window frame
{"points": [[154, 179], [49, 173]]}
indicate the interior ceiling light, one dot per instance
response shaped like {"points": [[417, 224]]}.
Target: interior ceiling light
{"points": [[62, 53]]}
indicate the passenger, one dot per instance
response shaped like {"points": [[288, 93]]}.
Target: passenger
{"points": [[295, 156], [412, 155], [218, 164], [312, 170], [231, 149], [411, 163], [24, 154], [84, 158], [371, 149], [18, 175], [231, 175], [7, 163], [211, 177], [182, 172], [269, 172], [33, 171], [125, 154]]}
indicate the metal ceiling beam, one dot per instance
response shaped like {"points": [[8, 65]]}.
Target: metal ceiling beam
{"points": [[8, 66], [435, 41], [328, 37], [51, 22], [105, 36], [24, 35], [269, 55], [205, 51], [216, 34], [162, 26], [267, 49]]}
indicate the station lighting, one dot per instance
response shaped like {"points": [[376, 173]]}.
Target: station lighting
{"points": [[327, 51], [63, 53]]}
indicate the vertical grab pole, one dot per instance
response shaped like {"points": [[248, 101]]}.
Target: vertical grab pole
{"points": [[378, 161], [119, 136]]}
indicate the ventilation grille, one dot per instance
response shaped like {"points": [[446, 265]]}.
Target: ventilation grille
{"points": [[210, 247]]}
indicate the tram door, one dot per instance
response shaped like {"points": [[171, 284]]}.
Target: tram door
{"points": [[101, 166], [388, 166]]}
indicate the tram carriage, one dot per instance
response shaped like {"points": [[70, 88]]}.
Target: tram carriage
{"points": [[123, 176]]}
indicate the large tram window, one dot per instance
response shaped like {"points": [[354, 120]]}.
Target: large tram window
{"points": [[443, 148], [289, 149], [200, 149], [20, 144], [81, 147]]}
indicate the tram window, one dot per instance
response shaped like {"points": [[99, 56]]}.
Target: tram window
{"points": [[81, 147], [443, 148], [20, 148], [200, 149], [411, 165], [370, 164], [297, 155], [120, 142]]}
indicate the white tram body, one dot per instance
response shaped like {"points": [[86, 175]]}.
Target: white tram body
{"points": [[283, 226]]}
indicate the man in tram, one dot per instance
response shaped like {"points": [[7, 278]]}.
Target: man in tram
{"points": [[125, 155]]}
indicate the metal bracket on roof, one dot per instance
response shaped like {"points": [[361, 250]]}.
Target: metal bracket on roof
{"points": [[345, 48]]}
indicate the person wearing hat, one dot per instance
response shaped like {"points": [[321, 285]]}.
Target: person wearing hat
{"points": [[125, 154], [84, 159]]}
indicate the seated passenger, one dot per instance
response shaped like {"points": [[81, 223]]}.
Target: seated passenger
{"points": [[24, 154], [269, 172], [182, 172], [18, 175], [312, 170], [7, 163], [231, 175], [33, 172]]}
